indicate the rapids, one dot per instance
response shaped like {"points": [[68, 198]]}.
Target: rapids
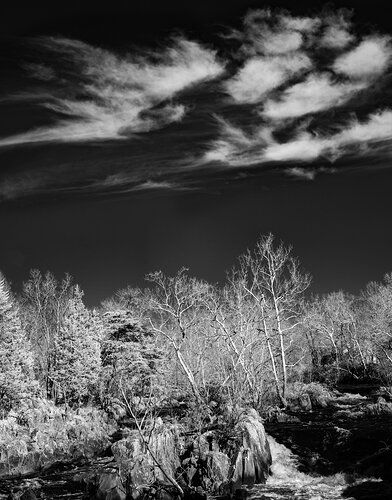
{"points": [[288, 482]]}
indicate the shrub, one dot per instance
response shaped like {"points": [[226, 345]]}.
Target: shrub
{"points": [[40, 433]]}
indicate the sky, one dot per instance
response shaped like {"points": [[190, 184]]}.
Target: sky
{"points": [[153, 135]]}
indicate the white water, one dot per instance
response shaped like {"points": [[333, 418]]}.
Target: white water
{"points": [[287, 482]]}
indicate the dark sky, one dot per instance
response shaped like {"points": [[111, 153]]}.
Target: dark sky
{"points": [[108, 209]]}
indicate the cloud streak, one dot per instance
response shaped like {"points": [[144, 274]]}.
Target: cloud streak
{"points": [[235, 148], [115, 97], [317, 93]]}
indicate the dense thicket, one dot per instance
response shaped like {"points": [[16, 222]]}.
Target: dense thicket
{"points": [[246, 341]]}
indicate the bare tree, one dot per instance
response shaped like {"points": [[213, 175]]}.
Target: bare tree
{"points": [[331, 323], [45, 302], [271, 276], [176, 310], [240, 353], [377, 319]]}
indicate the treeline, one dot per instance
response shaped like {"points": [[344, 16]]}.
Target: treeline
{"points": [[245, 342]]}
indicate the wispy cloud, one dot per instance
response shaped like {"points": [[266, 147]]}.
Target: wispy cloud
{"points": [[236, 148], [285, 91], [336, 33], [20, 185], [321, 67], [261, 75], [317, 93], [268, 32], [116, 96], [302, 173]]}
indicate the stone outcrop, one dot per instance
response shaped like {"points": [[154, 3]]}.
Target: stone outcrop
{"points": [[253, 460], [110, 487], [137, 467], [217, 462]]}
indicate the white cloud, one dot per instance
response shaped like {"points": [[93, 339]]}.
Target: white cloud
{"points": [[302, 24], [280, 42], [305, 147], [117, 96], [236, 148], [370, 58], [336, 37], [316, 93], [376, 128], [271, 33], [266, 71], [337, 30], [302, 173], [260, 75]]}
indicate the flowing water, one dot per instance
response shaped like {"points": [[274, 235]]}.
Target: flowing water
{"points": [[287, 482]]}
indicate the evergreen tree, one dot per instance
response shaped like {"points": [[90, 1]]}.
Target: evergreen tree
{"points": [[78, 361], [130, 357], [16, 360]]}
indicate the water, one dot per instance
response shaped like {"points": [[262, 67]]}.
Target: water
{"points": [[287, 482]]}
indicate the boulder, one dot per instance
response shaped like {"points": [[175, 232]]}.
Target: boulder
{"points": [[253, 461], [215, 462], [221, 463], [136, 465], [218, 470], [110, 487], [305, 402]]}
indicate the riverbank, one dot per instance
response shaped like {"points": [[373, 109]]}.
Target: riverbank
{"points": [[336, 448]]}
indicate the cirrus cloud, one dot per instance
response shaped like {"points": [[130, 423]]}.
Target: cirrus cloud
{"points": [[114, 97]]}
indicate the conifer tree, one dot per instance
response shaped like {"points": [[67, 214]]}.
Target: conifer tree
{"points": [[16, 360], [78, 360], [130, 357]]}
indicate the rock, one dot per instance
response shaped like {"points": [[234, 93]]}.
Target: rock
{"points": [[204, 444], [28, 495], [283, 418], [110, 487], [305, 402], [218, 469], [136, 465], [378, 464], [253, 461]]}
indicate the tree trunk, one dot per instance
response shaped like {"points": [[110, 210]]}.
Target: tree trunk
{"points": [[188, 373]]}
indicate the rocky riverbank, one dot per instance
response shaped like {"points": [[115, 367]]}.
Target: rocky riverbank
{"points": [[347, 438], [173, 463]]}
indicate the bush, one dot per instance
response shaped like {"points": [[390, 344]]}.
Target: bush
{"points": [[317, 395], [40, 434]]}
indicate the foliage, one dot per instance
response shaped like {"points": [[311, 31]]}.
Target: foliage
{"points": [[130, 358], [254, 340], [40, 433], [78, 361], [317, 394], [16, 360], [44, 304]]}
